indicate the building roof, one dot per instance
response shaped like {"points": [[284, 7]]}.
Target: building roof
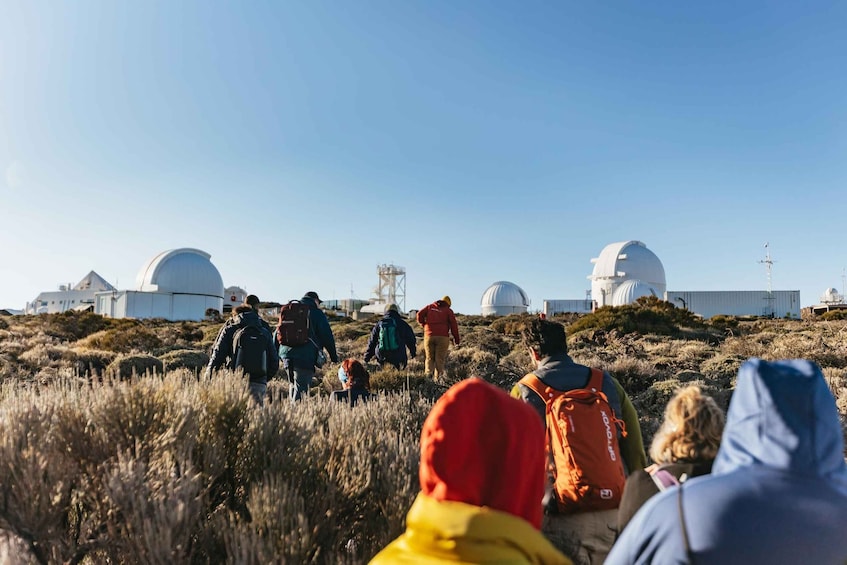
{"points": [[93, 281], [504, 293]]}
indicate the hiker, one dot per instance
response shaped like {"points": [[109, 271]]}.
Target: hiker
{"points": [[778, 488], [390, 337], [580, 516], [684, 447], [300, 356], [482, 481], [438, 322], [244, 343], [356, 381]]}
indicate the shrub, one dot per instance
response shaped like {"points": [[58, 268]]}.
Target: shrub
{"points": [[126, 366], [833, 315], [646, 315], [124, 340], [184, 359]]}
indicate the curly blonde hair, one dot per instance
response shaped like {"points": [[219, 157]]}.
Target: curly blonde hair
{"points": [[691, 431]]}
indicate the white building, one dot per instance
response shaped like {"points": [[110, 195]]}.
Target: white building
{"points": [[775, 304], [179, 284], [503, 298], [624, 272], [78, 297]]}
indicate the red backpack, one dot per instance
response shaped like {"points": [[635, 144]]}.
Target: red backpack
{"points": [[293, 327], [582, 442]]}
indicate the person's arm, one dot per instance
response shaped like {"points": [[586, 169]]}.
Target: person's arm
{"points": [[421, 315], [220, 350], [454, 327], [632, 446], [372, 341], [326, 337], [273, 355], [409, 338]]}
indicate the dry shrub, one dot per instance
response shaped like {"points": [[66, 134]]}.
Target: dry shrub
{"points": [[464, 362], [92, 362], [125, 340], [184, 359], [126, 366], [513, 324]]}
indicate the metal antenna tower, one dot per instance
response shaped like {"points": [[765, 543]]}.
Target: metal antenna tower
{"points": [[769, 298], [844, 285], [392, 285]]}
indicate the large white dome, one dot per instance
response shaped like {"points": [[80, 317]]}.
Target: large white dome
{"points": [[625, 261], [181, 271], [502, 298]]}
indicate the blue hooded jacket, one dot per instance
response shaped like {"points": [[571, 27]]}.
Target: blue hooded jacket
{"points": [[778, 488]]}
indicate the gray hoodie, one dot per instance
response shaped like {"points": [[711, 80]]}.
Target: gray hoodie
{"points": [[778, 488]]}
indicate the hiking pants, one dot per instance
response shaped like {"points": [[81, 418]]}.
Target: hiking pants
{"points": [[585, 537], [300, 383], [258, 391], [436, 347]]}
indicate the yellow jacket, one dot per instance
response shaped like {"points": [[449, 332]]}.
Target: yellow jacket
{"points": [[455, 532]]}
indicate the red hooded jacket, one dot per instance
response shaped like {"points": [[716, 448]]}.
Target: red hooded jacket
{"points": [[438, 320]]}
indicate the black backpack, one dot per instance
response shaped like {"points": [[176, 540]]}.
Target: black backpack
{"points": [[293, 328], [250, 349]]}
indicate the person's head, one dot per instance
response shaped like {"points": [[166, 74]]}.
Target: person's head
{"points": [[482, 447], [314, 296], [253, 301], [353, 374], [446, 299], [391, 308], [544, 338], [691, 431]]}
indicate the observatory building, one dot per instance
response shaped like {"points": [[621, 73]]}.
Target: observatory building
{"points": [[179, 284], [503, 298], [79, 297], [626, 271]]}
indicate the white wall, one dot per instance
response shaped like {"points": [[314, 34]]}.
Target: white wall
{"points": [[578, 305], [785, 303]]}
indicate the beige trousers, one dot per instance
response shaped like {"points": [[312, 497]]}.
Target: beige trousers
{"points": [[436, 347], [586, 537]]}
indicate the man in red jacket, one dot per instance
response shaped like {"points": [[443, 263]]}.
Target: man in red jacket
{"points": [[439, 322]]}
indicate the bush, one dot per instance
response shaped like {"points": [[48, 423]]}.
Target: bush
{"points": [[648, 315], [124, 340], [127, 366], [833, 315], [184, 359]]}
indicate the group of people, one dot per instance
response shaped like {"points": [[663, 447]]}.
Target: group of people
{"points": [[765, 484], [260, 350]]}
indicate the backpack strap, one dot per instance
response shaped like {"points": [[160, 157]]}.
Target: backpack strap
{"points": [[596, 380], [533, 383], [685, 541], [663, 478]]}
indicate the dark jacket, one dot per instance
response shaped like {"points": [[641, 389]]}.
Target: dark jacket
{"points": [[222, 350], [559, 371], [640, 487], [778, 488], [405, 339], [304, 356], [353, 395]]}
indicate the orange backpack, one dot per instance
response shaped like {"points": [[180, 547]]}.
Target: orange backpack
{"points": [[582, 442]]}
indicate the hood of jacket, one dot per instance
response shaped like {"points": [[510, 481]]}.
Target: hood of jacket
{"points": [[247, 319], [313, 304], [441, 304], [783, 415], [450, 532], [482, 447]]}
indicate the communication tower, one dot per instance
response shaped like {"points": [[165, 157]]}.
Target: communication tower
{"points": [[392, 285], [769, 297]]}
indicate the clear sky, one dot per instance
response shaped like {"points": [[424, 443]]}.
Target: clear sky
{"points": [[301, 144]]}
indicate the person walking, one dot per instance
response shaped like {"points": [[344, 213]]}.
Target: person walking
{"points": [[390, 338], [684, 447], [587, 473], [777, 492], [438, 322], [482, 480], [299, 361], [245, 343]]}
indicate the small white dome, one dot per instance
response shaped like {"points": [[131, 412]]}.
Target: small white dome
{"points": [[181, 271], [831, 295], [502, 298], [630, 291]]}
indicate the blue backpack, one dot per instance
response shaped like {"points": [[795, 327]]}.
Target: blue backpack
{"points": [[388, 335]]}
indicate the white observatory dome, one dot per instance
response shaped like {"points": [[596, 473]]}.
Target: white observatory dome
{"points": [[630, 291], [181, 271], [502, 298], [625, 261], [830, 296]]}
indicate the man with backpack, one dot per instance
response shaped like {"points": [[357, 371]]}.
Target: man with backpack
{"points": [[593, 442], [303, 333], [390, 337], [438, 322], [245, 344]]}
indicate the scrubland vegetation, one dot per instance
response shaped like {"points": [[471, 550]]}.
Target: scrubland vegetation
{"points": [[114, 450]]}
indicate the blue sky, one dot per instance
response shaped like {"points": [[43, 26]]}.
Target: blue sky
{"points": [[301, 144]]}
